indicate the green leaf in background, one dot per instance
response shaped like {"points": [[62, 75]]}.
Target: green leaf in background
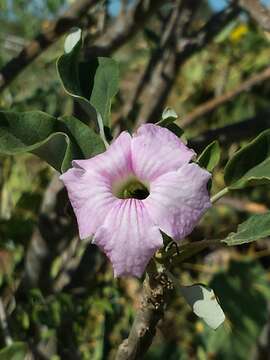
{"points": [[250, 165], [16, 351], [210, 156], [204, 304], [255, 228], [106, 85], [57, 141]]}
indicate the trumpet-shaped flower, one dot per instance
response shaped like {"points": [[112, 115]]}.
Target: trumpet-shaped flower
{"points": [[142, 184]]}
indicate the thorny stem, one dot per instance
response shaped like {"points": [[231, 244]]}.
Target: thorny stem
{"points": [[219, 195], [156, 291]]}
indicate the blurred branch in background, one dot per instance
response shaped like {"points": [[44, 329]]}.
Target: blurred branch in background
{"points": [[122, 28], [154, 86], [42, 41], [258, 12], [243, 205], [52, 235], [233, 133], [211, 105], [161, 66], [4, 324]]}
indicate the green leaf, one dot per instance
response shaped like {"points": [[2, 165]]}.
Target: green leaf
{"points": [[168, 116], [106, 85], [255, 228], [167, 121], [93, 83], [87, 140], [16, 351], [77, 76], [250, 165], [243, 290], [57, 141], [204, 304], [210, 156], [72, 40]]}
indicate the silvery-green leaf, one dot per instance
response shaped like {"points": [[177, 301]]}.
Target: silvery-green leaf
{"points": [[169, 113], [168, 121], [204, 304], [255, 228], [250, 165], [72, 40], [210, 156]]}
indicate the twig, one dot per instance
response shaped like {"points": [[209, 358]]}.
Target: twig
{"points": [[155, 296], [213, 104], [231, 133], [42, 41], [4, 324], [244, 205], [258, 12]]}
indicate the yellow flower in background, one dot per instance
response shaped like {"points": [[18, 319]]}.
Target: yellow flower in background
{"points": [[238, 33]]}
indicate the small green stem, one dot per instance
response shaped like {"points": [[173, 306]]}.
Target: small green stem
{"points": [[219, 195], [187, 250], [101, 130]]}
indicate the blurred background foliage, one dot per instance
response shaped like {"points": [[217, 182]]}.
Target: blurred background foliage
{"points": [[77, 310]]}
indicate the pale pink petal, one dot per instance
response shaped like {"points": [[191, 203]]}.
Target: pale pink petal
{"points": [[178, 200], [128, 237], [156, 150], [89, 184], [114, 163]]}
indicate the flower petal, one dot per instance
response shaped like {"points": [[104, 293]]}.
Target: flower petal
{"points": [[114, 163], [178, 200], [89, 184], [156, 150], [128, 237]]}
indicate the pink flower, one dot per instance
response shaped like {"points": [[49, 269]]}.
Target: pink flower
{"points": [[141, 184]]}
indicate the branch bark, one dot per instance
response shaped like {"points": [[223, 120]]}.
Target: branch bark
{"points": [[53, 233], [212, 104], [156, 291], [168, 28], [43, 40], [258, 12], [162, 78], [122, 29], [161, 67]]}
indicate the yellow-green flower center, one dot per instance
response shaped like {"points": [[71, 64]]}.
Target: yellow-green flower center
{"points": [[131, 188]]}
